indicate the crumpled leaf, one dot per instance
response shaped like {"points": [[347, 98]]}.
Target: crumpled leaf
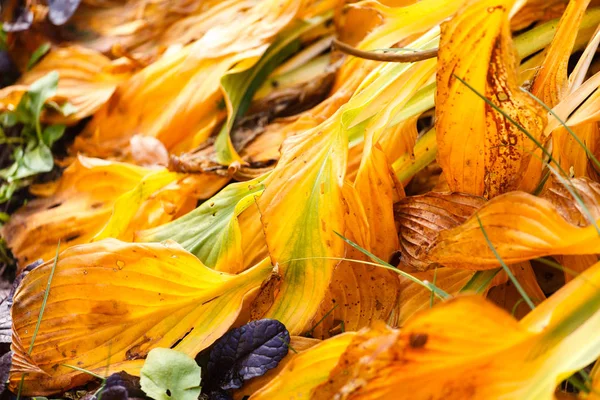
{"points": [[481, 152], [212, 231], [305, 370], [168, 374], [307, 180], [130, 298], [422, 218], [570, 209], [245, 353], [520, 226]]}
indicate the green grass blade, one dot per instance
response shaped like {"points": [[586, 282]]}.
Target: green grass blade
{"points": [[505, 267], [480, 281], [39, 320], [439, 292], [84, 371], [564, 124]]}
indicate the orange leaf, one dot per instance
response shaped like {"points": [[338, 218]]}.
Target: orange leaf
{"points": [[481, 152]]}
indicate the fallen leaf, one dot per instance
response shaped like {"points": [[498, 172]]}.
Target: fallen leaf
{"points": [[164, 297], [481, 152]]}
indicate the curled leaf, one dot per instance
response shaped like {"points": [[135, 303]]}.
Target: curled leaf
{"points": [[212, 230], [422, 218], [520, 227]]}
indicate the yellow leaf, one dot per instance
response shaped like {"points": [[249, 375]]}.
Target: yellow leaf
{"points": [[301, 209], [112, 302], [414, 298], [551, 80], [211, 232], [359, 293], [74, 209], [82, 202], [481, 152], [128, 203]]}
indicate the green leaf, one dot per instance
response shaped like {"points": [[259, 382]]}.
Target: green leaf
{"points": [[480, 281], [169, 374], [239, 87], [33, 162], [65, 109], [52, 133], [209, 230], [31, 104], [8, 119], [38, 54]]}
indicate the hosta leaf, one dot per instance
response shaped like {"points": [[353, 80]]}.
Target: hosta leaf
{"points": [[480, 152], [402, 22], [170, 374], [245, 353], [520, 227], [306, 188], [80, 204], [240, 84], [87, 79], [414, 298], [73, 209], [185, 87], [128, 203], [112, 302], [305, 371], [422, 218], [570, 209], [508, 297], [482, 350], [212, 231], [359, 293], [551, 80]]}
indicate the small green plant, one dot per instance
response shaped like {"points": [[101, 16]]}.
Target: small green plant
{"points": [[170, 374], [31, 142]]}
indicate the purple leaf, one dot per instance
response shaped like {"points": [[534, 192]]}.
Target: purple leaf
{"points": [[21, 21], [121, 386], [60, 11], [246, 352]]}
